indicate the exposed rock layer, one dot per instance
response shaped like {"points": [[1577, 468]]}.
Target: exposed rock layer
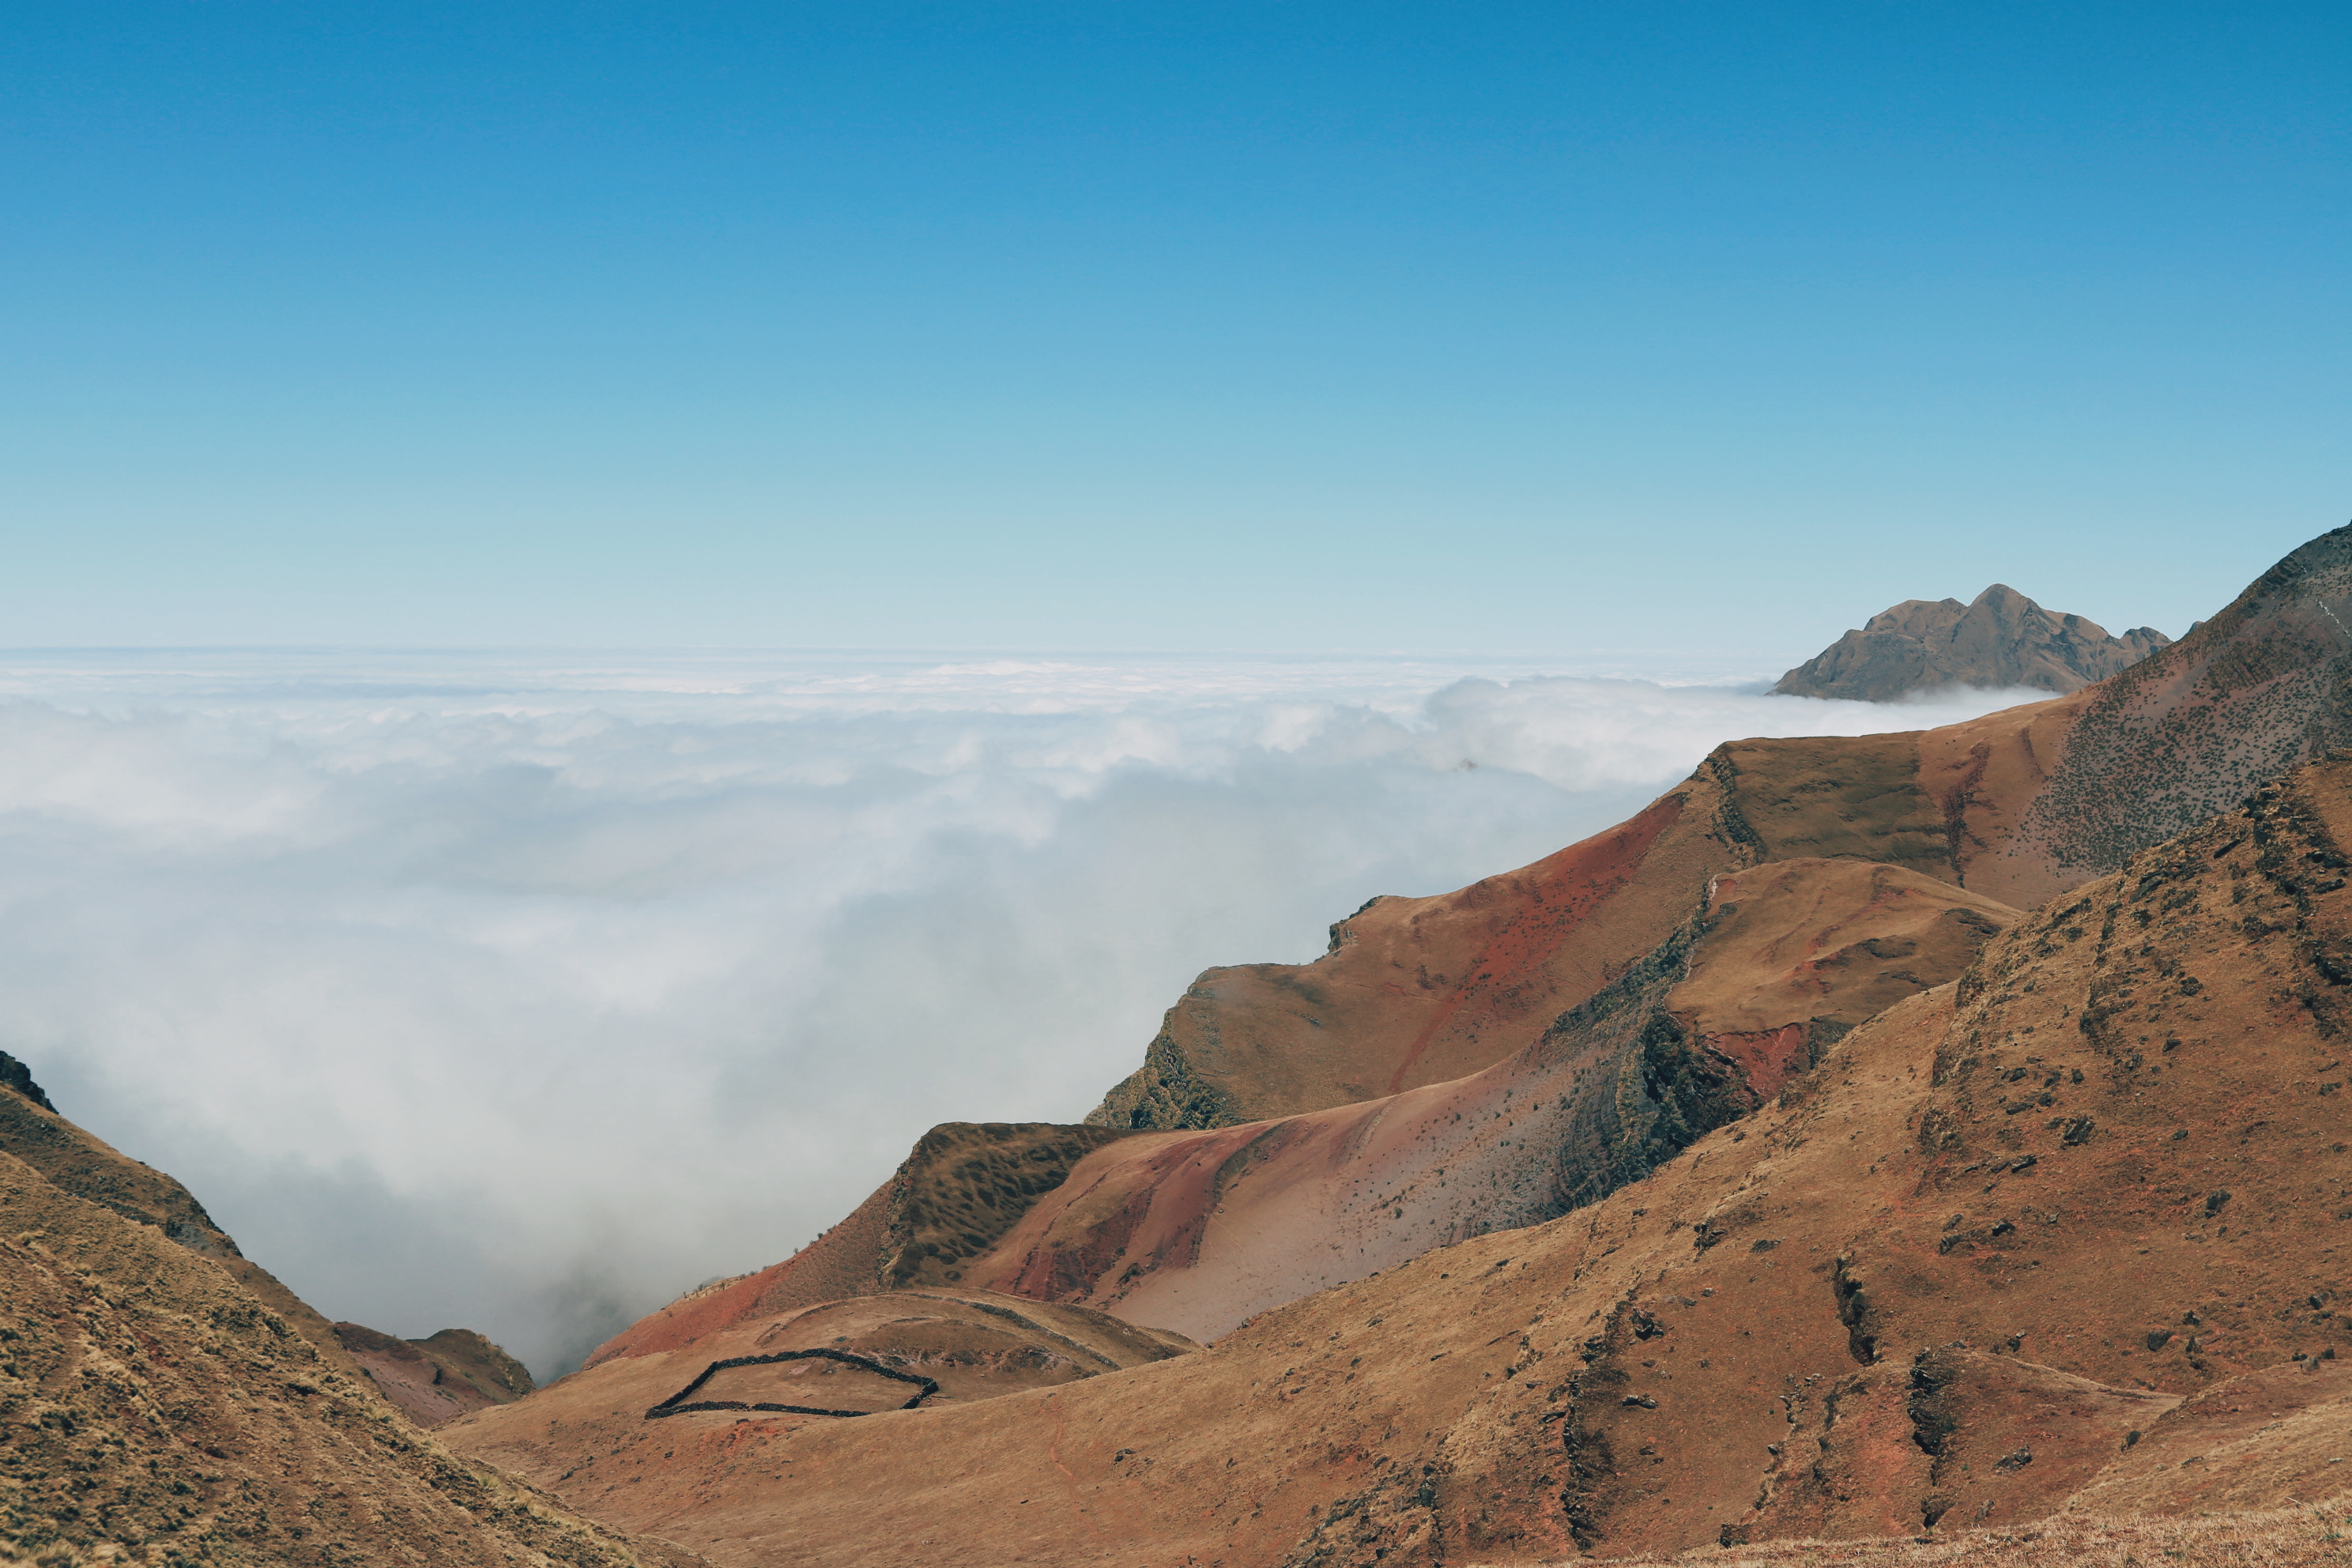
{"points": [[16, 1076], [2001, 638]]}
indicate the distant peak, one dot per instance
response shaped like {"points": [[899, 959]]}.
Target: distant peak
{"points": [[1998, 638]]}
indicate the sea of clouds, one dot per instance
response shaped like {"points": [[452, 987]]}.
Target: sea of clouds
{"points": [[521, 991]]}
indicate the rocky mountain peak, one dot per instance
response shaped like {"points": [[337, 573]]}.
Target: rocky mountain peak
{"points": [[1998, 638], [15, 1074]]}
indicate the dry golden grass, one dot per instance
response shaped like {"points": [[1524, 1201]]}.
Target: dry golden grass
{"points": [[2300, 1537]]}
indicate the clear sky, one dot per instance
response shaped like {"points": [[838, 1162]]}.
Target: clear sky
{"points": [[1159, 325]]}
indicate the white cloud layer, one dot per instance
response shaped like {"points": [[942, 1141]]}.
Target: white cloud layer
{"points": [[521, 993]]}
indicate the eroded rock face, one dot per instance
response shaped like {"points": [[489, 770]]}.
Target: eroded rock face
{"points": [[2001, 638]]}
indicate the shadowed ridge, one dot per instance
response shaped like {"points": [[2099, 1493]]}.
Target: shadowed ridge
{"points": [[2262, 686]]}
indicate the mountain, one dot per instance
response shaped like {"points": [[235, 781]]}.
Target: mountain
{"points": [[2017, 806], [1858, 1086], [436, 1379], [1999, 639], [163, 1400], [1195, 1231], [2068, 1233]]}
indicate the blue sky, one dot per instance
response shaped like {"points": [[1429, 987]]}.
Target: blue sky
{"points": [[1686, 327]]}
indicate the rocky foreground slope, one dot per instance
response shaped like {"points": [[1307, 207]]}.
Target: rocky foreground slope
{"points": [[2071, 1231], [2001, 638], [164, 1401]]}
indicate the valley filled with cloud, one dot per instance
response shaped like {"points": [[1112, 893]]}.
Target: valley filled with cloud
{"points": [[521, 991]]}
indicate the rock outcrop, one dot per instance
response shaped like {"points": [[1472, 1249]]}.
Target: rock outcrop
{"points": [[16, 1076], [2001, 638]]}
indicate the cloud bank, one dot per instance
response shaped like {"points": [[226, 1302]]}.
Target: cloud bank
{"points": [[522, 994]]}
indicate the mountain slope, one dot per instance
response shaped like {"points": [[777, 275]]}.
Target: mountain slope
{"points": [[150, 1401], [79, 1162], [1197, 1230], [165, 1400], [963, 1186], [2098, 1186], [2018, 806]]}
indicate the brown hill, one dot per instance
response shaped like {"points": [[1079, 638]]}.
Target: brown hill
{"points": [[2001, 638], [156, 1405], [2074, 1228], [436, 1379], [963, 1186]]}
